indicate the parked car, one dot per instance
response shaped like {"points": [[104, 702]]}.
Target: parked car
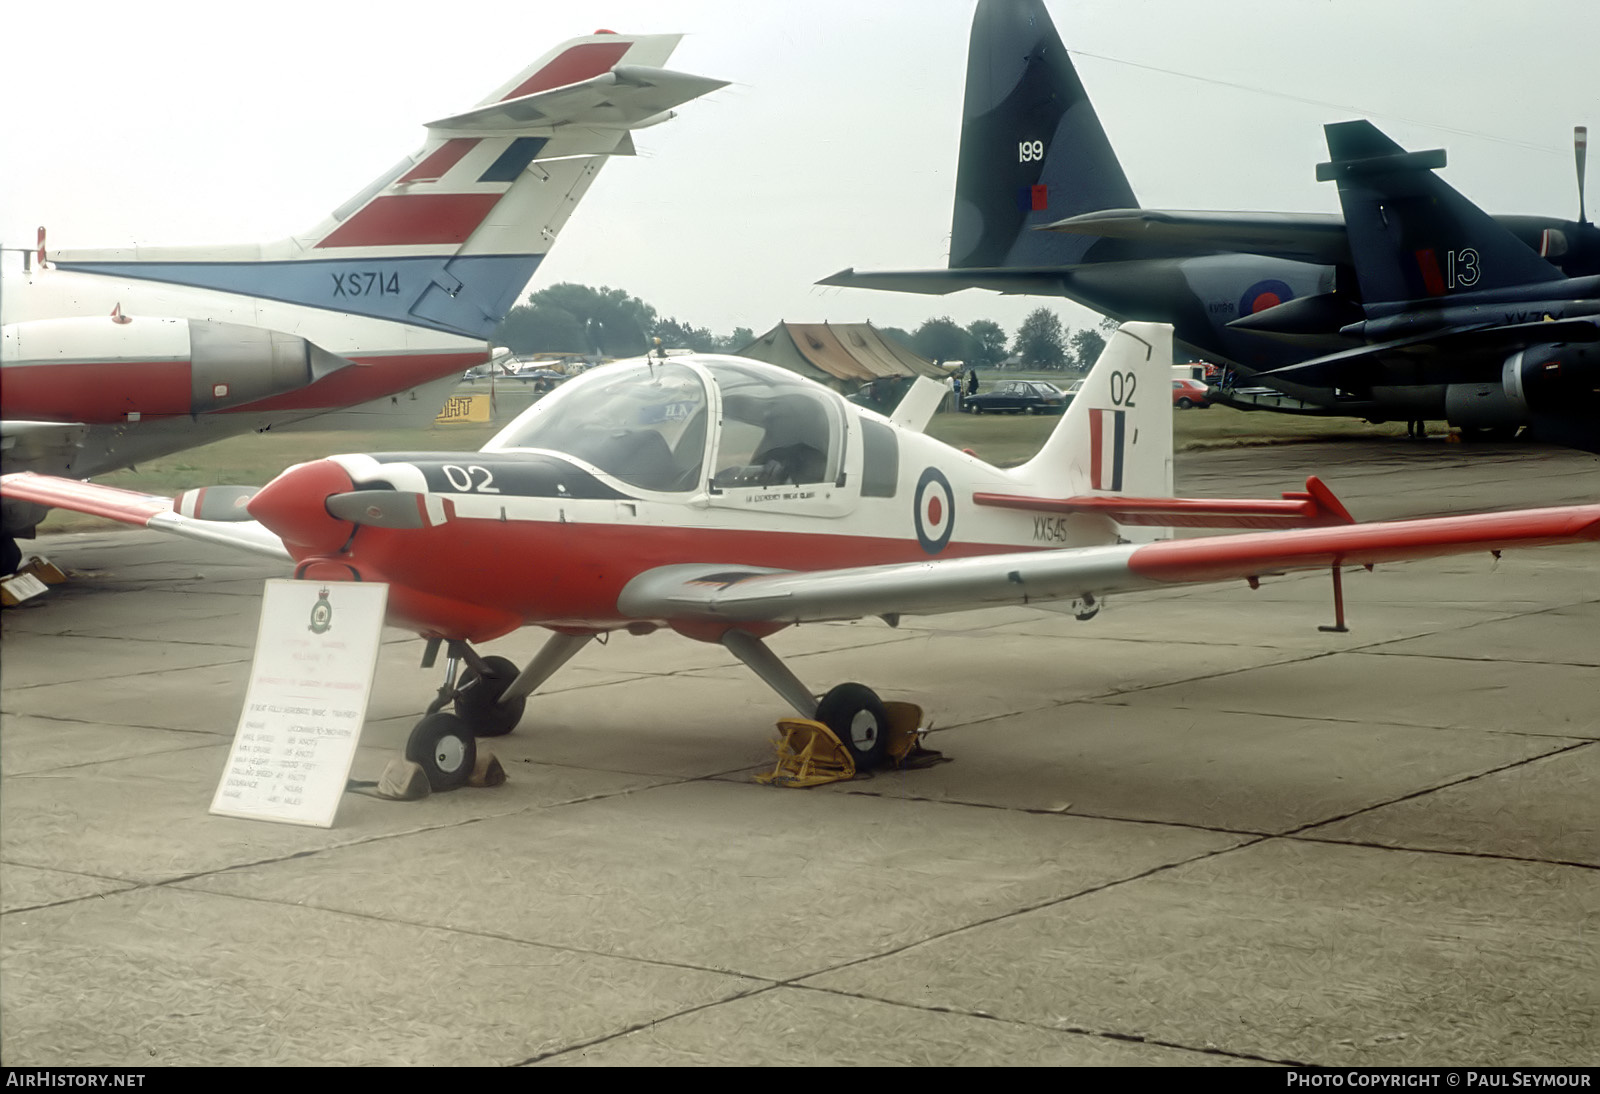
{"points": [[1019, 397], [1188, 393], [882, 394]]}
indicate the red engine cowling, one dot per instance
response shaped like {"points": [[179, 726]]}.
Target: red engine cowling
{"points": [[118, 369]]}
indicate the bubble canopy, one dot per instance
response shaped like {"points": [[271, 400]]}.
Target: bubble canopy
{"points": [[689, 423]]}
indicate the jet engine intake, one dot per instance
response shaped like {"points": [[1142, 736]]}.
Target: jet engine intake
{"points": [[1561, 379]]}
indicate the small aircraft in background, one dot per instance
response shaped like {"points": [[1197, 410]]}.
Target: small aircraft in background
{"points": [[726, 499], [116, 356], [1462, 320], [1043, 207]]}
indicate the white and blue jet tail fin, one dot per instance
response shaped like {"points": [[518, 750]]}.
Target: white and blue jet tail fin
{"points": [[448, 238]]}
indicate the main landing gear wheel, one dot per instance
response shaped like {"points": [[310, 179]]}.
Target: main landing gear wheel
{"points": [[478, 699], [444, 747], [856, 715]]}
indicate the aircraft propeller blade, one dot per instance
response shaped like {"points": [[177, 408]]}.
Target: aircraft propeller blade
{"points": [[389, 508], [1580, 151], [221, 503]]}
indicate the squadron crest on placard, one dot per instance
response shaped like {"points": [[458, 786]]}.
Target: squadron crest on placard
{"points": [[321, 613]]}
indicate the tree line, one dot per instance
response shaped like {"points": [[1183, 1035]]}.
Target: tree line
{"points": [[578, 319]]}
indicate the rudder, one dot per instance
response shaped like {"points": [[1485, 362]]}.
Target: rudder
{"points": [[1116, 437]]}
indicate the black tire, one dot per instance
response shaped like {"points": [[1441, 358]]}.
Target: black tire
{"points": [[478, 699], [856, 715], [1185, 403], [444, 747]]}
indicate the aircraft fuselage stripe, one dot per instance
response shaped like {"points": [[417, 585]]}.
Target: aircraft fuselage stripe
{"points": [[441, 159], [413, 219]]}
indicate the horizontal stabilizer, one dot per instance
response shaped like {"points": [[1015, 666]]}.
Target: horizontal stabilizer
{"points": [[1041, 281], [627, 97], [1430, 160], [1316, 507], [1306, 237]]}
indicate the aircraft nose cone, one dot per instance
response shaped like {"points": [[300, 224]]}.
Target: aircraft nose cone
{"points": [[294, 506]]}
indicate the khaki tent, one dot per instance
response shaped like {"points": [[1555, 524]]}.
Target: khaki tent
{"points": [[843, 356]]}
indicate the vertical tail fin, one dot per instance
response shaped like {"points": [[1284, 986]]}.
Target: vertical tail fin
{"points": [[1032, 148], [1412, 236], [1116, 437], [448, 237]]}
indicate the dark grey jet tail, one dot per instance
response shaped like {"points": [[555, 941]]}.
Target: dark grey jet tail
{"points": [[1412, 236], [1032, 149]]}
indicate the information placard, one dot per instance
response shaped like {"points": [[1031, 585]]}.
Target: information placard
{"points": [[316, 651]]}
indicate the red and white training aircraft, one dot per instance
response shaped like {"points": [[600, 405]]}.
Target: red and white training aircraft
{"points": [[112, 357], [726, 499]]}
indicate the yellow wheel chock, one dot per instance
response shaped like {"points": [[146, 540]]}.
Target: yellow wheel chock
{"points": [[810, 754]]}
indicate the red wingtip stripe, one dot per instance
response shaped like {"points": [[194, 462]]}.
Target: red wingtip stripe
{"points": [[111, 502], [1215, 558]]}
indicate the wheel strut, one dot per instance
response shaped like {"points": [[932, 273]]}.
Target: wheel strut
{"points": [[770, 667], [853, 712]]}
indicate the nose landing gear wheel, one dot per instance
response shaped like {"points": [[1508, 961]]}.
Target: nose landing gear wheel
{"points": [[856, 715], [478, 699], [443, 746]]}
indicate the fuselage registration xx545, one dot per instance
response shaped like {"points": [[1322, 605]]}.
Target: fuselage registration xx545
{"points": [[726, 499]]}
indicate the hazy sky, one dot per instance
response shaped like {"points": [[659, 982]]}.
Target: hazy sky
{"points": [[835, 145]]}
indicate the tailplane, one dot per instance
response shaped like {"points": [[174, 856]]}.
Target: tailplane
{"points": [[448, 238], [1116, 437], [1032, 149]]}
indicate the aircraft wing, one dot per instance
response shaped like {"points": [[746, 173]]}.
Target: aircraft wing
{"points": [[1307, 237], [731, 593], [191, 515], [1316, 506], [1442, 350]]}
